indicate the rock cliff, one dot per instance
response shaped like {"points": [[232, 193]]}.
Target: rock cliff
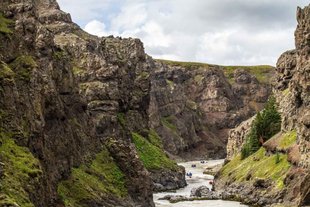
{"points": [[285, 157], [194, 105], [73, 118], [84, 120]]}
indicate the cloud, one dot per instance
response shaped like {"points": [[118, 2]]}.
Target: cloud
{"points": [[239, 32], [130, 17], [96, 27], [84, 11]]}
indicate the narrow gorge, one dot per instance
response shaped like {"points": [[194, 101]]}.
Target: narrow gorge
{"points": [[89, 121]]}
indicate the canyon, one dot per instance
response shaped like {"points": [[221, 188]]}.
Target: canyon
{"points": [[95, 121]]}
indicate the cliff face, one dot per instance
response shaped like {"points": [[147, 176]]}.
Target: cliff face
{"points": [[84, 120], [292, 143], [194, 105], [70, 105]]}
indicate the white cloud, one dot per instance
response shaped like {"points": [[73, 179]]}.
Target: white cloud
{"points": [[85, 11], [243, 47], [239, 32], [96, 27], [130, 17]]}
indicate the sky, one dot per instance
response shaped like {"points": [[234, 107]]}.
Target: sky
{"points": [[225, 32]]}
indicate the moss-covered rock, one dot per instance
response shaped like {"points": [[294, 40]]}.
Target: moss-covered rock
{"points": [[121, 119], [152, 156], [283, 141], [257, 166], [288, 139], [93, 182], [5, 25], [23, 67], [168, 123], [78, 71], [155, 139], [21, 173], [6, 72]]}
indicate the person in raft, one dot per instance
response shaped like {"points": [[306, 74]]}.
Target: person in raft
{"points": [[189, 174]]}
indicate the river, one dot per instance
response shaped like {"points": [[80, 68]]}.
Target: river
{"points": [[198, 179]]}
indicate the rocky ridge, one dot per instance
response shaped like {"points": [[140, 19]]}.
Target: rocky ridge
{"points": [[285, 157]]}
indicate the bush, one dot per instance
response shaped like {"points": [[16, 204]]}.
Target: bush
{"points": [[266, 124]]}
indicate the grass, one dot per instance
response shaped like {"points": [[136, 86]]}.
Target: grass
{"points": [[187, 65], [60, 55], [6, 72], [282, 141], [167, 122], [4, 25], [152, 156], [191, 104], [21, 172], [288, 139], [3, 115], [23, 66], [95, 181], [121, 119], [170, 84], [77, 71], [261, 72], [155, 139], [286, 92], [258, 165], [143, 75], [198, 79]]}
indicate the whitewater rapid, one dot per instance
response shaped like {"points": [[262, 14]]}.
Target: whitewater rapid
{"points": [[198, 179]]}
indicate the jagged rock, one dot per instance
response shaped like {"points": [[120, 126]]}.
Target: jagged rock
{"points": [[261, 183], [193, 109], [292, 95], [237, 137], [243, 77], [201, 191], [213, 170], [168, 180], [65, 99]]}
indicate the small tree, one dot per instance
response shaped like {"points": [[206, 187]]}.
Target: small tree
{"points": [[266, 124]]}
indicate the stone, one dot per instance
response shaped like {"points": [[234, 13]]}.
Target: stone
{"points": [[201, 191]]}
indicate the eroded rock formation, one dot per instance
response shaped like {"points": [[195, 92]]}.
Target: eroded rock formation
{"points": [[84, 120], [291, 147], [194, 106], [64, 98]]}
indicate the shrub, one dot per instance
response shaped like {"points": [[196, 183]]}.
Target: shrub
{"points": [[266, 124]]}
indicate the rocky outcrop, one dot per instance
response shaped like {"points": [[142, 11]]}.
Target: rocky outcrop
{"points": [[289, 149], [168, 180], [193, 106], [64, 98], [237, 138], [84, 120]]}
